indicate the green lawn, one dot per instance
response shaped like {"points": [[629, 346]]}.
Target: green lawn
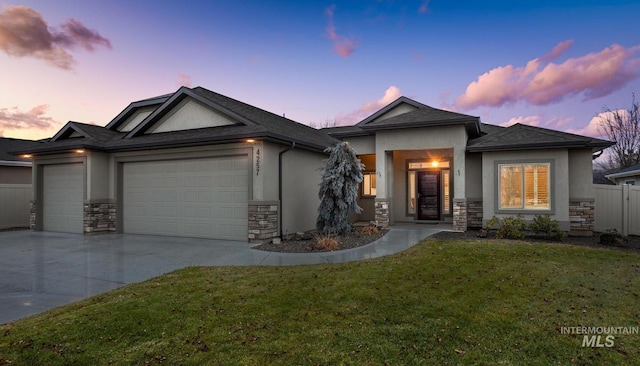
{"points": [[441, 302]]}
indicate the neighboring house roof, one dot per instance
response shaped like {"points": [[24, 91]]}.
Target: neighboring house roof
{"points": [[8, 145], [626, 172], [525, 137], [421, 116], [600, 177], [251, 122]]}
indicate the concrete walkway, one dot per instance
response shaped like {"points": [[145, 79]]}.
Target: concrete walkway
{"points": [[43, 270]]}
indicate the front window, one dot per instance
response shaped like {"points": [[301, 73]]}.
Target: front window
{"points": [[525, 186], [369, 184]]}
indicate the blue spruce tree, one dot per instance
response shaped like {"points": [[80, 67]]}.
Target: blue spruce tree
{"points": [[339, 189]]}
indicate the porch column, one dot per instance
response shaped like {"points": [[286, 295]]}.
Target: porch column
{"points": [[384, 172], [459, 188]]}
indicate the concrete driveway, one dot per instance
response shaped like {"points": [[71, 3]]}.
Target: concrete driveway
{"points": [[43, 270]]}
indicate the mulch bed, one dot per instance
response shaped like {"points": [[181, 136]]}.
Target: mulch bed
{"points": [[306, 243]]}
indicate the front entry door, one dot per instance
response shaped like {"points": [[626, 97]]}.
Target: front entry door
{"points": [[429, 195]]}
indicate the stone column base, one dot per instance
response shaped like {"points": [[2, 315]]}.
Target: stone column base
{"points": [[99, 217], [460, 214], [382, 212], [263, 220], [32, 215]]}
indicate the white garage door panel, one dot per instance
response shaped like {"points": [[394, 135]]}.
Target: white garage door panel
{"points": [[62, 198], [196, 197]]}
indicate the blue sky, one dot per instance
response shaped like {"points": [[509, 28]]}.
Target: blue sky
{"points": [[553, 64]]}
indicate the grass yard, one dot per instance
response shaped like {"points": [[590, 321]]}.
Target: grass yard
{"points": [[441, 302]]}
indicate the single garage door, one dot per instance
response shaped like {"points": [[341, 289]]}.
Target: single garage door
{"points": [[203, 198], [62, 198]]}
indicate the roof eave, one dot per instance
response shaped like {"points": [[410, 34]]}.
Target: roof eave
{"points": [[242, 137], [622, 175], [563, 145], [472, 126], [343, 134], [59, 150]]}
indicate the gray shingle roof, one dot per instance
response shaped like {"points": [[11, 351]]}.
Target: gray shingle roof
{"points": [[632, 168], [346, 131], [524, 137], [426, 117], [422, 116], [9, 145], [253, 123], [626, 172]]}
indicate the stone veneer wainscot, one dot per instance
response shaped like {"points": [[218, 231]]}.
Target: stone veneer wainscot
{"points": [[263, 220], [99, 217], [581, 217], [460, 214], [382, 212]]}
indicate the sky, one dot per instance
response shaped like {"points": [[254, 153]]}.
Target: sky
{"points": [[554, 64]]}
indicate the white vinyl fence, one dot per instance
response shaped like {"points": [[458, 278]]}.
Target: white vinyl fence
{"points": [[617, 207], [14, 205]]}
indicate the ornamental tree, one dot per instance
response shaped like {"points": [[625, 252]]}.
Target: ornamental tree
{"points": [[339, 189]]}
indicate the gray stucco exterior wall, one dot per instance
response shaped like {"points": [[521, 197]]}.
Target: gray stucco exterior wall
{"points": [[301, 172]]}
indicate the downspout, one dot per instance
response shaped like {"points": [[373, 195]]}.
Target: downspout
{"points": [[293, 144]]}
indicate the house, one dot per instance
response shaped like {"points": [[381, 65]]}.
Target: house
{"points": [[629, 175], [425, 164], [196, 163], [15, 184], [192, 163]]}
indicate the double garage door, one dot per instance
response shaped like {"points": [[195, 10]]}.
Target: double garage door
{"points": [[204, 198]]}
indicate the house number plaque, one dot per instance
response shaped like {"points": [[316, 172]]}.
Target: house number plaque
{"points": [[257, 161]]}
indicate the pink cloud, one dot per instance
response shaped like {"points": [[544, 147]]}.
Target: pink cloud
{"points": [[34, 119], [594, 127], [23, 32], [593, 75], [424, 7], [344, 46], [184, 80], [557, 51], [392, 93]]}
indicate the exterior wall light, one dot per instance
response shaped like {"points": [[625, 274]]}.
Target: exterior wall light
{"points": [[79, 151], [27, 156], [251, 141], [434, 163]]}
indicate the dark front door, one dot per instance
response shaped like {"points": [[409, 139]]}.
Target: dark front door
{"points": [[429, 195]]}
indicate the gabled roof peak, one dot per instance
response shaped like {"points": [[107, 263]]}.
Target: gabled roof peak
{"points": [[133, 107], [70, 129], [391, 106], [175, 99], [418, 115]]}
